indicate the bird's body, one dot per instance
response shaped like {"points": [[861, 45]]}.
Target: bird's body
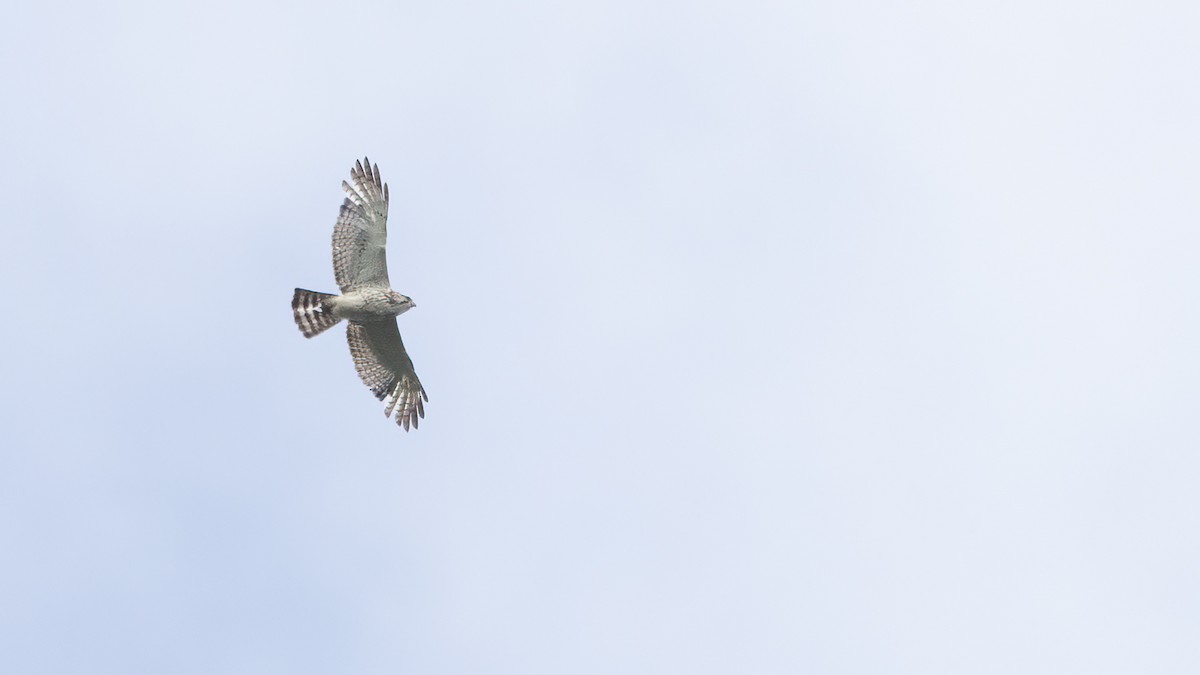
{"points": [[367, 301], [370, 304]]}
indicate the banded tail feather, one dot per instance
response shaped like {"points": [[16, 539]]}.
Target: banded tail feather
{"points": [[313, 312]]}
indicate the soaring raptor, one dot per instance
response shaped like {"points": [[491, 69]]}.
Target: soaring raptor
{"points": [[367, 303]]}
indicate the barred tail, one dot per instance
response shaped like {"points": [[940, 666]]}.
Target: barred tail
{"points": [[313, 312]]}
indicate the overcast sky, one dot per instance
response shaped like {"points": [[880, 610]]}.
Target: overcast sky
{"points": [[760, 337]]}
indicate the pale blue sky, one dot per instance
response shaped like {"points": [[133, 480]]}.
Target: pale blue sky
{"points": [[853, 337]]}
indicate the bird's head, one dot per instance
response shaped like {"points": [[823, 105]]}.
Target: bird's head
{"points": [[400, 303]]}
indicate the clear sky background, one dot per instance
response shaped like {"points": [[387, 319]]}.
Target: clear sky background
{"points": [[835, 337]]}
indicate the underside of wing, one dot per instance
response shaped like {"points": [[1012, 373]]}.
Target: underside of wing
{"points": [[384, 366], [360, 235]]}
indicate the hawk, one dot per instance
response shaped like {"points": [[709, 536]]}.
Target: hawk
{"points": [[367, 303]]}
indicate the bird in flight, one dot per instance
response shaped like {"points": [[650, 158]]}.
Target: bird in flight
{"points": [[367, 303]]}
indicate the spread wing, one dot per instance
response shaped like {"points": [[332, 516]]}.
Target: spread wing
{"points": [[360, 234], [384, 366]]}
